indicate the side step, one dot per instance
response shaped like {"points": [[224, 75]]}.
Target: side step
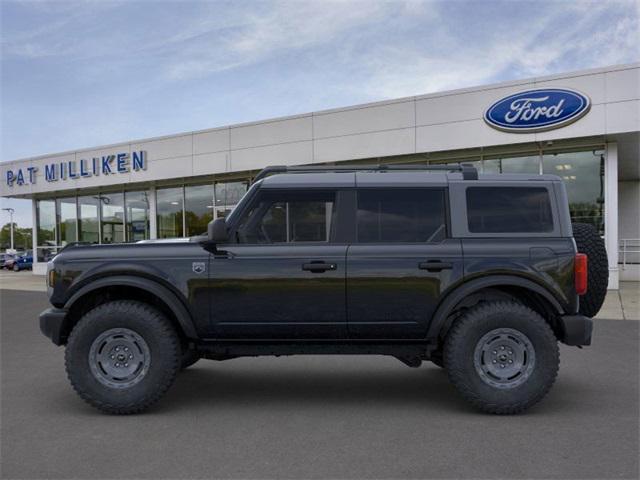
{"points": [[410, 353]]}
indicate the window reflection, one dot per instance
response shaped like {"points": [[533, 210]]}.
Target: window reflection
{"points": [[46, 222], [227, 195], [198, 208], [583, 175], [88, 230], [528, 164], [137, 216], [169, 212], [67, 220], [112, 217]]}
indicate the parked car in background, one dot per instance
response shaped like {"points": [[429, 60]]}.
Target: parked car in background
{"points": [[6, 257], [23, 262]]}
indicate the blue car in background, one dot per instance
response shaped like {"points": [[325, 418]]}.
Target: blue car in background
{"points": [[23, 262]]}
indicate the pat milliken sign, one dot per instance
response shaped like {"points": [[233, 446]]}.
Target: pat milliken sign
{"points": [[117, 163], [537, 110]]}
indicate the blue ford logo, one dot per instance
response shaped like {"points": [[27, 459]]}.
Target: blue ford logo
{"points": [[537, 110]]}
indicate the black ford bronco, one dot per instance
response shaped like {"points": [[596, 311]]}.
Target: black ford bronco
{"points": [[480, 274]]}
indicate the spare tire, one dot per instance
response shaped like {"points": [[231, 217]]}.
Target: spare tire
{"points": [[589, 242]]}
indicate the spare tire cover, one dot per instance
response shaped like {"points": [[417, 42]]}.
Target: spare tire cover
{"points": [[589, 242]]}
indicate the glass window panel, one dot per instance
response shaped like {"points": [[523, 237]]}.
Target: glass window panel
{"points": [[137, 215], [46, 218], [289, 217], [227, 195], [169, 216], [198, 208], [508, 210], [88, 219], [401, 215], [528, 164], [474, 162], [584, 179], [44, 254], [491, 165], [67, 218], [112, 217]]}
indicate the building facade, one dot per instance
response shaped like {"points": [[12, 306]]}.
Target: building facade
{"points": [[582, 126]]}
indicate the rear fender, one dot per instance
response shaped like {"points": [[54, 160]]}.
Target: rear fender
{"points": [[441, 320]]}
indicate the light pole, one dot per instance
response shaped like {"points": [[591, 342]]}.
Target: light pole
{"points": [[11, 212]]}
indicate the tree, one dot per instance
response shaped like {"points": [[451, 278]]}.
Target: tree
{"points": [[22, 237]]}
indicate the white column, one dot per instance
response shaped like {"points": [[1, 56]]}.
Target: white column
{"points": [[153, 225], [611, 212], [37, 267]]}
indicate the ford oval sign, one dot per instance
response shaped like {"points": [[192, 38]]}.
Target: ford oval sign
{"points": [[537, 110]]}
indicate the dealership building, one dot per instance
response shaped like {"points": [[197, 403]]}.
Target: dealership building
{"points": [[582, 126]]}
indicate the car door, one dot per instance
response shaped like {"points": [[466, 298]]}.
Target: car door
{"points": [[284, 277], [401, 262]]}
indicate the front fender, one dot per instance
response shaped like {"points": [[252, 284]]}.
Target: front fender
{"points": [[164, 295]]}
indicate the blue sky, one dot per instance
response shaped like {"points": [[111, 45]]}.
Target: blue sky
{"points": [[81, 74]]}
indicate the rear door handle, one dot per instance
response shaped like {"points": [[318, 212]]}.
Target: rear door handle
{"points": [[435, 266], [318, 267]]}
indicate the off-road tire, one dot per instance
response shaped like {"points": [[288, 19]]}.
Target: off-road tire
{"points": [[589, 242], [189, 357], [468, 331], [16, 268], [156, 331]]}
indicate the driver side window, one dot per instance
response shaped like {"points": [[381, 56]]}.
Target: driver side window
{"points": [[288, 217]]}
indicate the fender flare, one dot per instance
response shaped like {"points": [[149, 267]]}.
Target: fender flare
{"points": [[163, 293], [445, 308]]}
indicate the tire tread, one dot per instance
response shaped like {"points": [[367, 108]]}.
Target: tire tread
{"points": [[164, 328], [453, 357], [589, 242]]}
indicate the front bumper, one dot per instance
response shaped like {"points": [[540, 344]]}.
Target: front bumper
{"points": [[577, 330], [53, 325]]}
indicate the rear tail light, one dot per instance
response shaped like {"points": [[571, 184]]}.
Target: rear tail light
{"points": [[580, 269]]}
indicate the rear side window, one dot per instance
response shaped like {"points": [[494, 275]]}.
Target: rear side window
{"points": [[509, 210], [401, 215]]}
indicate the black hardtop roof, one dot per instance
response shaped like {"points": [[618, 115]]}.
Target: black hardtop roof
{"points": [[468, 171], [373, 176]]}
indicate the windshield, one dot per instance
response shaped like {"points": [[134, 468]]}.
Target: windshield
{"points": [[231, 217]]}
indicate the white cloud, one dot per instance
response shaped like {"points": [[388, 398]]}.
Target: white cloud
{"points": [[286, 27], [525, 48]]}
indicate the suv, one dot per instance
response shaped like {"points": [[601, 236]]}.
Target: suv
{"points": [[478, 274]]}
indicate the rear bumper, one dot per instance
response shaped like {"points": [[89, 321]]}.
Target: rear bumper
{"points": [[53, 323], [577, 330]]}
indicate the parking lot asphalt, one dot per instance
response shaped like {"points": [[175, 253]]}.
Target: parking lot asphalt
{"points": [[316, 417]]}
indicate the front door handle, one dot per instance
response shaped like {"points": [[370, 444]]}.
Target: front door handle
{"points": [[318, 267], [435, 266]]}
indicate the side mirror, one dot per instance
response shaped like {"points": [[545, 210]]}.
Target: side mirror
{"points": [[217, 231]]}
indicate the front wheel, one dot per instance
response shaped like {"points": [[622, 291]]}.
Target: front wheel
{"points": [[16, 268], [122, 356], [502, 357]]}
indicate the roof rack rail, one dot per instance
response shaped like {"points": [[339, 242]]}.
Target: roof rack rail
{"points": [[469, 172]]}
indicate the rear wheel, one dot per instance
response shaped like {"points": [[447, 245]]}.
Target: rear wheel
{"points": [[122, 356], [16, 268], [589, 242], [502, 357]]}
